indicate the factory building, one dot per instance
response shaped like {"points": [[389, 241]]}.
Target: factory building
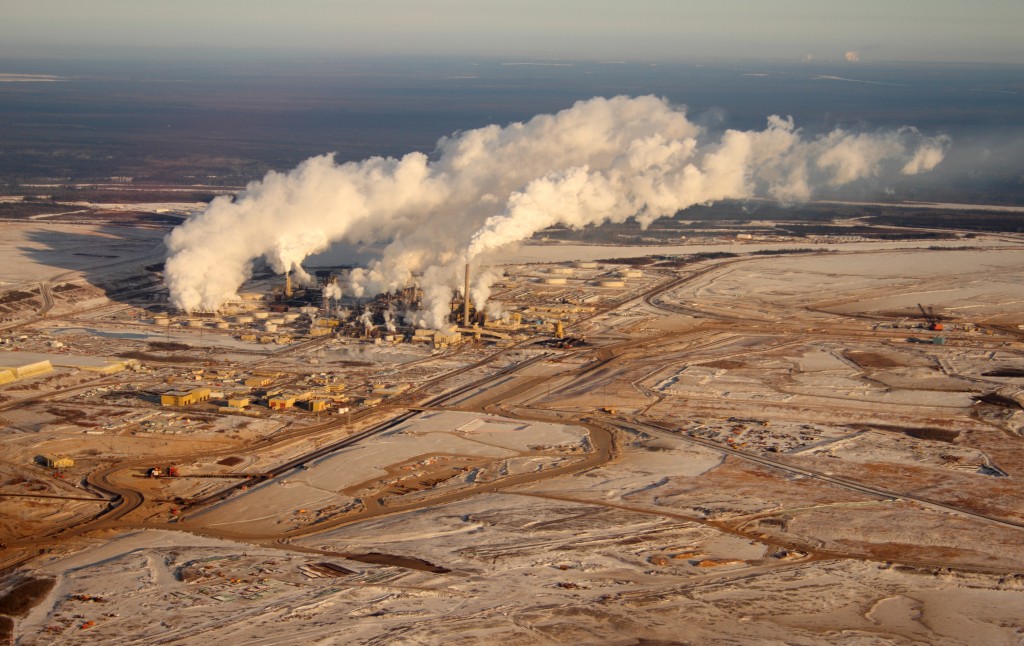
{"points": [[438, 338], [185, 398]]}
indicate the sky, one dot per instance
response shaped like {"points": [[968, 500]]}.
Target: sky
{"points": [[863, 31]]}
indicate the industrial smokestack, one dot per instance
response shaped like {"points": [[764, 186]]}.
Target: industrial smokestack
{"points": [[465, 300]]}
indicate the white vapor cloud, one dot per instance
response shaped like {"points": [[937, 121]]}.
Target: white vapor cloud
{"points": [[602, 160]]}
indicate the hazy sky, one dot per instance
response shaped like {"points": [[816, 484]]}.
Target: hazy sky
{"points": [[879, 30]]}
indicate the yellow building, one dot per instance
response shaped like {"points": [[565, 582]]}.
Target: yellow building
{"points": [[22, 365], [59, 462], [238, 402], [258, 382], [318, 405], [185, 398], [281, 402], [109, 368]]}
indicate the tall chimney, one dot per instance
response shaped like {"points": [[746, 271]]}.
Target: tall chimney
{"points": [[465, 299]]}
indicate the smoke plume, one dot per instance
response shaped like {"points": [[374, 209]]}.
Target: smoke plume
{"points": [[602, 160]]}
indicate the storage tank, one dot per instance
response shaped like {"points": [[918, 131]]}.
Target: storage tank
{"points": [[243, 319], [161, 320], [221, 325], [554, 280], [262, 316], [561, 271], [611, 282], [276, 320], [195, 323], [270, 327], [587, 264], [291, 317]]}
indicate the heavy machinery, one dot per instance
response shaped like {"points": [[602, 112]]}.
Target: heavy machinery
{"points": [[934, 320], [157, 472]]}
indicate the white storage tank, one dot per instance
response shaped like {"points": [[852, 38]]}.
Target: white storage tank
{"points": [[161, 320], [291, 317], [587, 264], [555, 280], [270, 327], [561, 271], [262, 316], [243, 319], [611, 282], [221, 325]]}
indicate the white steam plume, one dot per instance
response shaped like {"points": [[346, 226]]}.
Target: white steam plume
{"points": [[332, 291], [601, 160], [366, 318]]}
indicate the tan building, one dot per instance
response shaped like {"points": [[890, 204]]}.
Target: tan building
{"points": [[438, 339], [185, 398], [318, 405]]}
